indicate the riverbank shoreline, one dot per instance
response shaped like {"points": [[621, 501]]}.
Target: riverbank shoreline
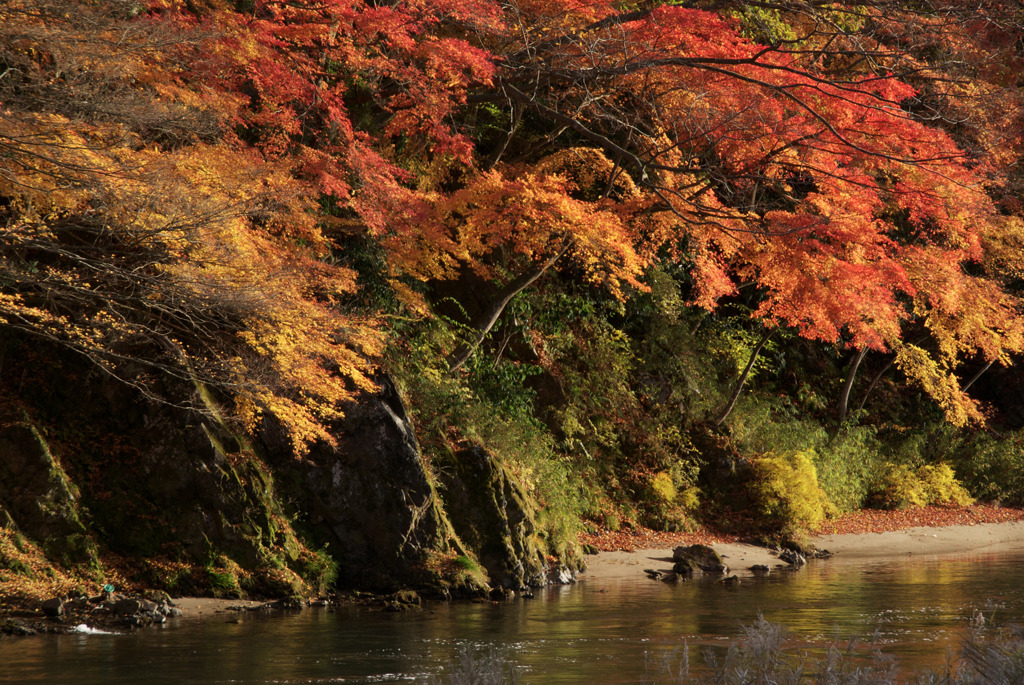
{"points": [[915, 541], [625, 555]]}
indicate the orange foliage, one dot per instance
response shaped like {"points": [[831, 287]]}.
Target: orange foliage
{"points": [[195, 256]]}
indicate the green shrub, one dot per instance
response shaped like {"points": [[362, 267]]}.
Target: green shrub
{"points": [[992, 468], [845, 461], [786, 494], [756, 428], [672, 498], [611, 521], [846, 464], [494, 410], [898, 487]]}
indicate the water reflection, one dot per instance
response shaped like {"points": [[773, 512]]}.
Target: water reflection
{"points": [[593, 632]]}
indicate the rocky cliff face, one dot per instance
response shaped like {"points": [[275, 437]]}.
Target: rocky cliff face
{"points": [[495, 517], [88, 466], [368, 501]]}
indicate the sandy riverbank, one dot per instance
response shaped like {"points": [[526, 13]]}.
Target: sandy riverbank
{"points": [[740, 557], [208, 607], [1007, 535]]}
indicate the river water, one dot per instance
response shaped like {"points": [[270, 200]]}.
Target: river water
{"points": [[593, 632]]}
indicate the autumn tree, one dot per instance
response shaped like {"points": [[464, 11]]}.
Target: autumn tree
{"points": [[788, 153], [138, 232], [165, 169]]}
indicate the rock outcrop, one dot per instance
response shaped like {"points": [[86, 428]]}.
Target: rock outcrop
{"points": [[368, 500], [199, 507], [493, 515]]}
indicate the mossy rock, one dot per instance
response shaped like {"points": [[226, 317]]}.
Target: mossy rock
{"points": [[495, 517], [685, 567], [41, 502], [279, 582], [367, 502]]}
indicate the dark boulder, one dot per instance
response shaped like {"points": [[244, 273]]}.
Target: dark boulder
{"points": [[687, 567], [53, 607], [703, 556]]}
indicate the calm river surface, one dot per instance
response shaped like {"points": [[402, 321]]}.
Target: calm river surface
{"points": [[594, 632]]}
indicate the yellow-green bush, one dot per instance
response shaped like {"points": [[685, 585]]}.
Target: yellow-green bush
{"points": [[901, 487], [943, 487], [663, 487], [671, 501], [786, 493]]}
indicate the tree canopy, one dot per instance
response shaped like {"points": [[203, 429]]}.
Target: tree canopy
{"points": [[178, 180]]}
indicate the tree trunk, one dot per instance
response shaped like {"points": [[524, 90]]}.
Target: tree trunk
{"points": [[743, 379], [874, 382], [495, 157], [844, 398], [978, 375], [485, 322]]}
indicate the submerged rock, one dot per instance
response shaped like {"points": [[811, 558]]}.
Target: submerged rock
{"points": [[403, 600], [793, 558], [562, 575]]}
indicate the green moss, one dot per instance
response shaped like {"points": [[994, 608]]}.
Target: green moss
{"points": [[459, 574], [223, 577], [467, 563], [318, 570]]}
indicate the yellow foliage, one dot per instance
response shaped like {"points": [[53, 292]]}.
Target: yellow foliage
{"points": [[901, 487], [663, 487], [942, 486], [786, 492], [938, 383], [201, 258]]}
